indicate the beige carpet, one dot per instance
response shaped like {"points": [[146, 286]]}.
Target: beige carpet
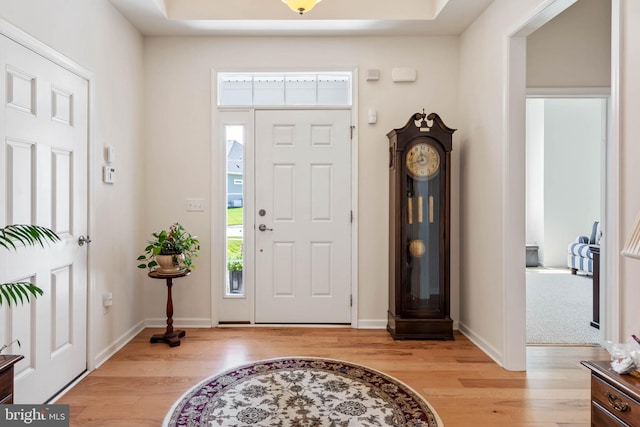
{"points": [[559, 308]]}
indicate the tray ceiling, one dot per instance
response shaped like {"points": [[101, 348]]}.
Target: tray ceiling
{"points": [[274, 18]]}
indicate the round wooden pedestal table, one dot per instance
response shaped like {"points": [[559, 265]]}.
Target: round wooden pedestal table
{"points": [[170, 336]]}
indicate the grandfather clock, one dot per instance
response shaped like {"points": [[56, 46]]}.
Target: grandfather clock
{"points": [[419, 203]]}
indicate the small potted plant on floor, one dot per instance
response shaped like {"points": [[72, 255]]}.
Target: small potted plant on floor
{"points": [[235, 276], [170, 251]]}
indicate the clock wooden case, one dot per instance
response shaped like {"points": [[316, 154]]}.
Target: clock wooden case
{"points": [[419, 225]]}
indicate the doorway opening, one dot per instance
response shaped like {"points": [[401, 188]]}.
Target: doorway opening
{"points": [[565, 152]]}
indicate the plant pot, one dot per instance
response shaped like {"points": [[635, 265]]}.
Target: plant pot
{"points": [[235, 282], [168, 264]]}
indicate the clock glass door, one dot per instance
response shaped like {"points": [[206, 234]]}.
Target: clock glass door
{"points": [[422, 290]]}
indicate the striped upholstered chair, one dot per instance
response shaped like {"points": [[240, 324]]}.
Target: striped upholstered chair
{"points": [[580, 257]]}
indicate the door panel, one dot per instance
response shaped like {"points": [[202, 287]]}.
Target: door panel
{"points": [[303, 183], [44, 134]]}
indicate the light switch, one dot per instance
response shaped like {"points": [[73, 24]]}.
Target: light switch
{"points": [[107, 299], [372, 116], [195, 205]]}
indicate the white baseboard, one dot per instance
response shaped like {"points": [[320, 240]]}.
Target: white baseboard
{"points": [[492, 352], [180, 322], [372, 324], [206, 323], [124, 339]]}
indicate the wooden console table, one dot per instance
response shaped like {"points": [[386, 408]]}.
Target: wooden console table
{"points": [[6, 377], [615, 398], [170, 336]]}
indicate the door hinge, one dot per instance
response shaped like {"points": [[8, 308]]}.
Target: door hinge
{"points": [[351, 135], [350, 300], [351, 217]]}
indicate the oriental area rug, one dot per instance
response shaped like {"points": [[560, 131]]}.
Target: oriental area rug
{"points": [[301, 392]]}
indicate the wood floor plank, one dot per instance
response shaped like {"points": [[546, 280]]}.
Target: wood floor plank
{"points": [[138, 385]]}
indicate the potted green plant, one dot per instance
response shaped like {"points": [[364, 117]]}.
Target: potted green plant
{"points": [[235, 275], [28, 235], [170, 250]]}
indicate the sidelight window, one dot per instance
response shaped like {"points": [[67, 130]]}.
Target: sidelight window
{"points": [[235, 139]]}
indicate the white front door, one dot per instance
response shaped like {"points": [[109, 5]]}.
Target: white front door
{"points": [[43, 159], [302, 216]]}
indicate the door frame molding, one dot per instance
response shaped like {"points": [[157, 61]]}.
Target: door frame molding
{"points": [[218, 191], [17, 35]]}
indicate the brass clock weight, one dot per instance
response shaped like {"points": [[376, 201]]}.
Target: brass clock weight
{"points": [[419, 191]]}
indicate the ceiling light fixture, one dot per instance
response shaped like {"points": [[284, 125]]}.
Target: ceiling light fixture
{"points": [[301, 6]]}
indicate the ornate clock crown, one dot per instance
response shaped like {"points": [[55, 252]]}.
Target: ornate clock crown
{"points": [[420, 120]]}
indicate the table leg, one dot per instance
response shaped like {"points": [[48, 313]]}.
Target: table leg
{"points": [[170, 336]]}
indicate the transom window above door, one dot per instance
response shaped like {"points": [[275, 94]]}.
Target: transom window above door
{"points": [[294, 89]]}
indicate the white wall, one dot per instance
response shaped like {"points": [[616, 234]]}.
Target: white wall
{"points": [[535, 175], [96, 36], [565, 140], [579, 39], [629, 170], [178, 129], [492, 230], [574, 133]]}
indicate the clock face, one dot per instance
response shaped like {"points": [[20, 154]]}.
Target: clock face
{"points": [[423, 161]]}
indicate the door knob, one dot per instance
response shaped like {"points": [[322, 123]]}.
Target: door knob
{"points": [[263, 227], [82, 240]]}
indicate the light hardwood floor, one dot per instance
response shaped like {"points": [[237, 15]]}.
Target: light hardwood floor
{"points": [[138, 385]]}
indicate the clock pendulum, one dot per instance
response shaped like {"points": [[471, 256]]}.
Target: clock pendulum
{"points": [[416, 250]]}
